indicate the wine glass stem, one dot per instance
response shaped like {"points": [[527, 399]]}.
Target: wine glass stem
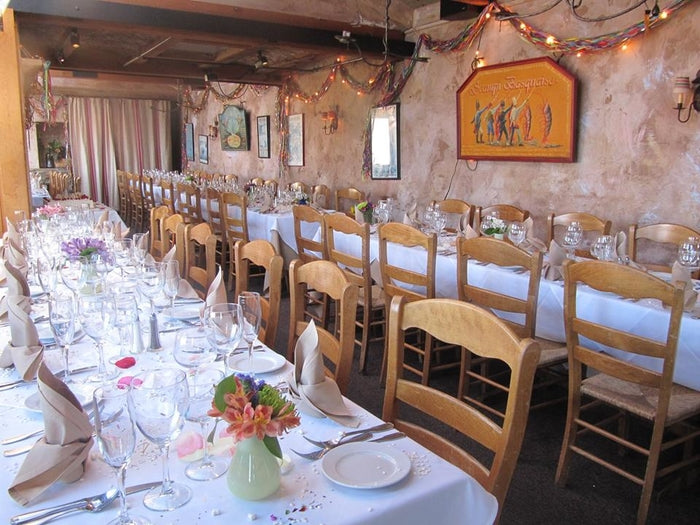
{"points": [[66, 370], [250, 356], [121, 483], [205, 451], [167, 482], [101, 367]]}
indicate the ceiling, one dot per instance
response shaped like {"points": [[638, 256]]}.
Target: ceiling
{"points": [[246, 41]]}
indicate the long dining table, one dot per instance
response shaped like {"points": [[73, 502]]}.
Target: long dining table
{"points": [[645, 317], [432, 490]]}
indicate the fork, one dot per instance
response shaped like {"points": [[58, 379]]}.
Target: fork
{"points": [[313, 456], [336, 441], [319, 453]]}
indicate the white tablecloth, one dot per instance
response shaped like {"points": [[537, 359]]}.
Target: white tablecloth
{"points": [[434, 492]]}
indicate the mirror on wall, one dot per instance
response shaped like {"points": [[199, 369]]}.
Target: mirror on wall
{"points": [[384, 128], [52, 149]]}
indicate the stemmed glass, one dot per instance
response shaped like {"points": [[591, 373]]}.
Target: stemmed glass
{"points": [[151, 280], [73, 273], [116, 439], [159, 400], [250, 310], [47, 274], [126, 314], [223, 324], [193, 348], [689, 253], [603, 248], [122, 254], [572, 238], [96, 313], [62, 321], [202, 385], [171, 283], [138, 247], [516, 232]]}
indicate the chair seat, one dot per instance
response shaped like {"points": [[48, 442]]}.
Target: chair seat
{"points": [[642, 400], [552, 352], [378, 298]]}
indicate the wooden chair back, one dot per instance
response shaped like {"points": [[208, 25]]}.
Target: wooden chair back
{"points": [[456, 209], [326, 278], [299, 186], [167, 194], [308, 248], [507, 212], [263, 254], [172, 235], [200, 256], [149, 198], [136, 201], [662, 233], [189, 202], [588, 222], [271, 185], [321, 196], [257, 181], [157, 215], [465, 325], [346, 197], [234, 214], [123, 189]]}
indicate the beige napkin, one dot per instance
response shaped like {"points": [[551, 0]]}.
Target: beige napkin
{"points": [[531, 241], [319, 199], [184, 289], [61, 454], [411, 215], [217, 291], [465, 230], [551, 269], [621, 244], [16, 257], [11, 233], [16, 287], [316, 393], [24, 349], [104, 217], [359, 216], [682, 274]]}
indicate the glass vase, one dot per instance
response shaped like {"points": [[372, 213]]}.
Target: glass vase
{"points": [[254, 472]]}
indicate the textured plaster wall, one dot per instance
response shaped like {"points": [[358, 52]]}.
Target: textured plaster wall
{"points": [[635, 161]]}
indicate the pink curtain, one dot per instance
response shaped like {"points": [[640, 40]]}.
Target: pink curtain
{"points": [[111, 134]]}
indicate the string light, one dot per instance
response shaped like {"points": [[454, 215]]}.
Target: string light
{"points": [[550, 40]]}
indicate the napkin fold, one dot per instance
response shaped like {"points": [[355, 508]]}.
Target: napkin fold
{"points": [[531, 242], [411, 215], [16, 257], [621, 244], [319, 199], [24, 349], [61, 454], [551, 269], [11, 232], [184, 290], [217, 291], [680, 273], [314, 392], [16, 287], [465, 230]]}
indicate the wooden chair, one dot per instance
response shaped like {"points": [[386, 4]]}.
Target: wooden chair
{"points": [[357, 268], [136, 203], [522, 309], [456, 209], [262, 254], [588, 222], [167, 194], [662, 234], [321, 196], [347, 197], [212, 200], [200, 256], [620, 384], [328, 279], [157, 216], [234, 214], [257, 181], [413, 284], [172, 235], [299, 186], [123, 189], [507, 212], [189, 202], [271, 185], [149, 199], [465, 325], [311, 249]]}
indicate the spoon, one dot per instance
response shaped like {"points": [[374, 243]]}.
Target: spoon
{"points": [[320, 453]]}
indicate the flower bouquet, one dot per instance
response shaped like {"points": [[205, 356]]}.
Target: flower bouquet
{"points": [[85, 247], [363, 212], [49, 210], [494, 227], [252, 408]]}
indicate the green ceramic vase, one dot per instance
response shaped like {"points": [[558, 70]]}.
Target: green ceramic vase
{"points": [[254, 472]]}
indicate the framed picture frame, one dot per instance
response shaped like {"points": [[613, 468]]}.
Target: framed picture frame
{"points": [[518, 111], [264, 136], [203, 149], [384, 134], [189, 141], [296, 140], [233, 129]]}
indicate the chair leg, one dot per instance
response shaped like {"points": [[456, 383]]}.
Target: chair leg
{"points": [[427, 359], [364, 341], [570, 430]]}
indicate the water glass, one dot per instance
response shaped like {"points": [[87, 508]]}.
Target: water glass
{"points": [[193, 347], [171, 280], [126, 316], [223, 324], [572, 237], [516, 232], [62, 321], [604, 248], [96, 313], [251, 312], [689, 253]]}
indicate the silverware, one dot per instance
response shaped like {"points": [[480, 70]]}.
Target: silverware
{"points": [[336, 441], [318, 454], [93, 504], [388, 437], [18, 382], [21, 437], [17, 451]]}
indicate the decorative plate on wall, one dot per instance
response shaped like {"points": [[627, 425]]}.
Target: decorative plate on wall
{"points": [[233, 129]]}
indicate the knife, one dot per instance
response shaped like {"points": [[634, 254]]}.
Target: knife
{"points": [[73, 506], [13, 384]]}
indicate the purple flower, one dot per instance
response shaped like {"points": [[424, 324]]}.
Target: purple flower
{"points": [[86, 247]]}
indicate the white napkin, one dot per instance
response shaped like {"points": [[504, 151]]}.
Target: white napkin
{"points": [[411, 214], [682, 274], [11, 233], [465, 230], [24, 349], [531, 241], [551, 269], [314, 392], [15, 256], [184, 289], [217, 291], [16, 287], [319, 200], [621, 244]]}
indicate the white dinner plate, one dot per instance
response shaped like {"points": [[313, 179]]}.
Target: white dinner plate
{"points": [[184, 311], [33, 402], [365, 465], [262, 362]]}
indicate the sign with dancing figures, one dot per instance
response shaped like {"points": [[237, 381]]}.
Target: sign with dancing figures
{"points": [[520, 111]]}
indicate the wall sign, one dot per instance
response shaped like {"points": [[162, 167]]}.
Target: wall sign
{"points": [[233, 129], [520, 111]]}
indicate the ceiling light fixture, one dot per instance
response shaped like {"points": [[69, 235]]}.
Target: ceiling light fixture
{"points": [[60, 57], [261, 61], [74, 39]]}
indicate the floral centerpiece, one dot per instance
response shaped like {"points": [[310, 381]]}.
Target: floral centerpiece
{"points": [[365, 209], [85, 247], [252, 408], [300, 198], [494, 226], [49, 210]]}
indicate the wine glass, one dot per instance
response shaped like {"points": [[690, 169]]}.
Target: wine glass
{"points": [[159, 400], [47, 274], [516, 232], [603, 248], [689, 253], [250, 310], [103, 264], [139, 247], [126, 314], [171, 283], [96, 313], [222, 323], [116, 440], [151, 280], [439, 221], [62, 321], [572, 238], [122, 254], [74, 272], [193, 347], [202, 385]]}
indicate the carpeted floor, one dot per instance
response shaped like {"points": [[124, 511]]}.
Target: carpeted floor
{"points": [[593, 495]]}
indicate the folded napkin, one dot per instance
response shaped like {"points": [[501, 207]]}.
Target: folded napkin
{"points": [[411, 215], [319, 200], [15, 256], [116, 229], [11, 233], [682, 274], [551, 269], [16, 287], [24, 349], [465, 230], [104, 217], [314, 392], [531, 242], [217, 291], [621, 244], [61, 454]]}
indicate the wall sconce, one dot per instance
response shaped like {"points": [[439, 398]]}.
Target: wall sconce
{"points": [[214, 130], [74, 39], [330, 121], [685, 96]]}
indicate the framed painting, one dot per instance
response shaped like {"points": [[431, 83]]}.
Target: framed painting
{"points": [[189, 141], [384, 133], [204, 149], [296, 140], [518, 111], [264, 137], [233, 129]]}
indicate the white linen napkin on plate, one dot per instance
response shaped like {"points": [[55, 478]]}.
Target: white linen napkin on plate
{"points": [[24, 349], [315, 393], [551, 269], [16, 287], [217, 291], [184, 289]]}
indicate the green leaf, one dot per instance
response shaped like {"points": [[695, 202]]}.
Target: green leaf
{"points": [[227, 384], [273, 446]]}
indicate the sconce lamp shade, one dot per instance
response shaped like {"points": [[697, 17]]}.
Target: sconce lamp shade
{"points": [[75, 39], [681, 91]]}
